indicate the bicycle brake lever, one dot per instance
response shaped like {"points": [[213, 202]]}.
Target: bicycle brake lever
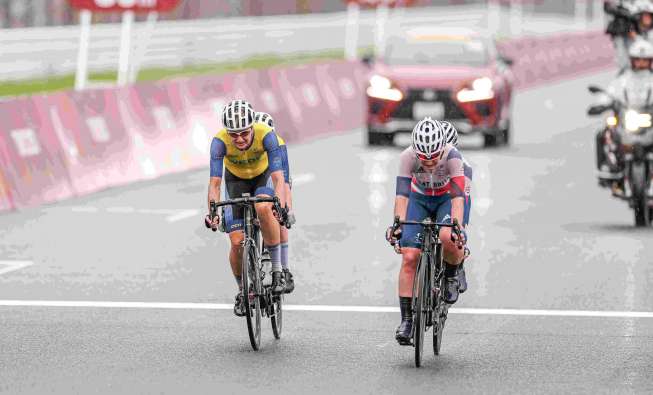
{"points": [[458, 232], [213, 214]]}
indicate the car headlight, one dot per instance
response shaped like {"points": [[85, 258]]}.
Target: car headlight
{"points": [[382, 88], [480, 89], [633, 120]]}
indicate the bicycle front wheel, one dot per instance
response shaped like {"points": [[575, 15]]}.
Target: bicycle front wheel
{"points": [[252, 291], [440, 308], [277, 316], [420, 309]]}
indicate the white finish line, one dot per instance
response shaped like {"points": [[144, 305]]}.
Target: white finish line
{"points": [[324, 308]]}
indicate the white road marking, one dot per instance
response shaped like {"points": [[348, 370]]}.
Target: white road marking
{"points": [[13, 265], [182, 215], [120, 210], [82, 209], [172, 215], [303, 179], [326, 308], [156, 211]]}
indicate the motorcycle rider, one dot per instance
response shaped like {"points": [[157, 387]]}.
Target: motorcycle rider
{"points": [[642, 11], [632, 88], [620, 27]]}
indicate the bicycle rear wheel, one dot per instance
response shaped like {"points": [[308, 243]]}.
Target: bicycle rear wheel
{"points": [[420, 309], [277, 316], [252, 291]]}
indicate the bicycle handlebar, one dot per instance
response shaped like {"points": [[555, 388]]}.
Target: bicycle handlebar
{"points": [[249, 200], [428, 223]]}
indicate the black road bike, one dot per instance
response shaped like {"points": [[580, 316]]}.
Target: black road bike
{"points": [[429, 307], [258, 299]]}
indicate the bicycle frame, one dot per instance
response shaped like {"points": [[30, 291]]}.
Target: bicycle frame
{"points": [[257, 298], [427, 285]]}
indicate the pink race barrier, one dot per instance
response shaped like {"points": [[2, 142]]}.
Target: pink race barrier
{"points": [[203, 97], [95, 139], [161, 127], [32, 160], [341, 87], [547, 58], [5, 190]]}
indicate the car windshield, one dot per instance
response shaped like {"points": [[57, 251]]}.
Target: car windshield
{"points": [[439, 52]]}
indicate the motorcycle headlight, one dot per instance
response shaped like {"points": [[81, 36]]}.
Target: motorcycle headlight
{"points": [[633, 120], [611, 121], [382, 88], [480, 89]]}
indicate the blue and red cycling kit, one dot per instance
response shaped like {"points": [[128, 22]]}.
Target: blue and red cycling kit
{"points": [[429, 191]]}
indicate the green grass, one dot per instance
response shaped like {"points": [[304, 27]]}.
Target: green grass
{"points": [[52, 84]]}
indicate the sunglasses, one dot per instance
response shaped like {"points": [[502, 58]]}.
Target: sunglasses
{"points": [[243, 134], [426, 158]]}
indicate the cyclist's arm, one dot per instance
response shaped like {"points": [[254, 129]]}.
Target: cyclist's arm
{"points": [[287, 186], [406, 164], [401, 198], [275, 165], [457, 184], [218, 150]]}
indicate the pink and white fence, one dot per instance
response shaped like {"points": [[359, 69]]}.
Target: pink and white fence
{"points": [[68, 144]]}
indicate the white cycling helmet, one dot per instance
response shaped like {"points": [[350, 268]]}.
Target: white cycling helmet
{"points": [[265, 118], [238, 115], [428, 138], [642, 6], [638, 51], [450, 132], [641, 49]]}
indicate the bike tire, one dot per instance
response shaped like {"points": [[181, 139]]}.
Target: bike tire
{"points": [[253, 304], [277, 317], [639, 182], [439, 308], [420, 310]]}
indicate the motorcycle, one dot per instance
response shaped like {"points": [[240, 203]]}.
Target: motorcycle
{"points": [[632, 128]]}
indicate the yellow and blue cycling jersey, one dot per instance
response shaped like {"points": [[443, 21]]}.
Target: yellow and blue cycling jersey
{"points": [[264, 154], [284, 159]]}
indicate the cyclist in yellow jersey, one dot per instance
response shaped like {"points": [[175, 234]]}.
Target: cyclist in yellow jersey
{"points": [[253, 164], [289, 284]]}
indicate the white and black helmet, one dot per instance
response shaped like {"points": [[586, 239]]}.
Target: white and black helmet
{"points": [[450, 132], [641, 49], [238, 115], [428, 138], [642, 6], [265, 118]]}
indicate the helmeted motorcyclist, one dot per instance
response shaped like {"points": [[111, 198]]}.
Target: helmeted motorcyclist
{"points": [[621, 27], [633, 88], [642, 11]]}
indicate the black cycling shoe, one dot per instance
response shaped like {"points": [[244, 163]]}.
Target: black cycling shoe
{"points": [[290, 283], [462, 279], [404, 332], [278, 283], [239, 307], [451, 289]]}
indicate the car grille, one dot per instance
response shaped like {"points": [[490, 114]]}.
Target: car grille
{"points": [[451, 109]]}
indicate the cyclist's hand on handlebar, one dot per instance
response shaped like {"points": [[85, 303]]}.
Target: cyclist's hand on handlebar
{"points": [[458, 236], [392, 235], [212, 223]]}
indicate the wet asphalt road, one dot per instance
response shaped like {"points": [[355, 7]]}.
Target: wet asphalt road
{"points": [[544, 236]]}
